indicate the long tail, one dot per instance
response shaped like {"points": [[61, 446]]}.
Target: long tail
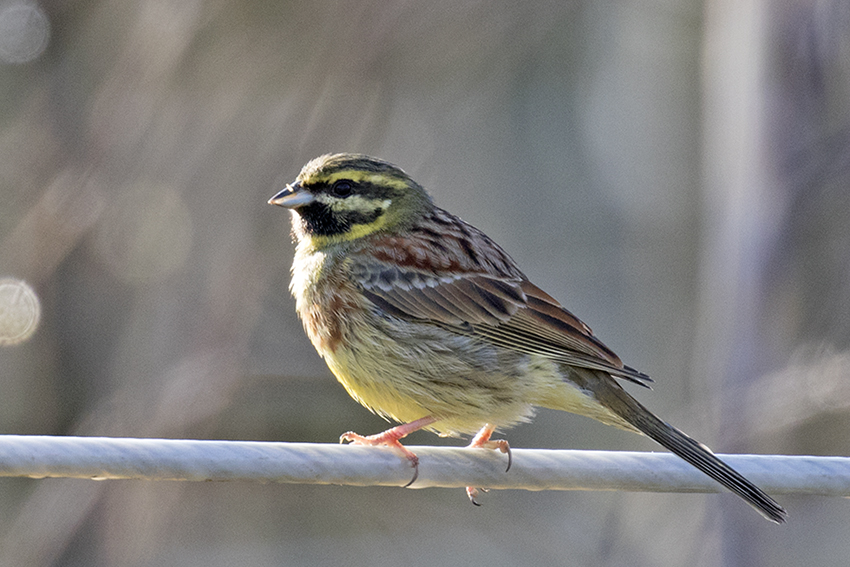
{"points": [[612, 396]]}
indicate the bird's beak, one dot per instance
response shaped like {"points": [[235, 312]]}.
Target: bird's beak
{"points": [[293, 197]]}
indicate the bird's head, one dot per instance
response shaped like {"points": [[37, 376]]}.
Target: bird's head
{"points": [[344, 197]]}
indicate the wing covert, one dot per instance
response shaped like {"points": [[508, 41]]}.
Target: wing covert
{"points": [[439, 276]]}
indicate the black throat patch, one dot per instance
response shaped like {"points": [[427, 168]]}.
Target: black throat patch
{"points": [[318, 219]]}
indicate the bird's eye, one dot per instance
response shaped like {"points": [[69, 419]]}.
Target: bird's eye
{"points": [[341, 188]]}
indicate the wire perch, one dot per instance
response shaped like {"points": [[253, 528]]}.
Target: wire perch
{"points": [[104, 458]]}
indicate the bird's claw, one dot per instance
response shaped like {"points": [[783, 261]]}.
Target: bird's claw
{"points": [[503, 446], [482, 441], [472, 493], [387, 440], [500, 444]]}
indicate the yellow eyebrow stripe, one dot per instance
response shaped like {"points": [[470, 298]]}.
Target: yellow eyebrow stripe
{"points": [[359, 176]]}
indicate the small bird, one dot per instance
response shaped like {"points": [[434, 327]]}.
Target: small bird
{"points": [[428, 322]]}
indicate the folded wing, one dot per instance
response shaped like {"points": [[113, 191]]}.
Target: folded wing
{"points": [[503, 308]]}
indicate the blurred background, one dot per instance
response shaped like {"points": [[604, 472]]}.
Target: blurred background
{"points": [[677, 173]]}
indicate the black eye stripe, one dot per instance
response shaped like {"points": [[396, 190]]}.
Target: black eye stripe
{"points": [[342, 188]]}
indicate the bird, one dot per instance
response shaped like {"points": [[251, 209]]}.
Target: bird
{"points": [[427, 322]]}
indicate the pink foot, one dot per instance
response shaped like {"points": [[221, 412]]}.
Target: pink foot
{"points": [[482, 440], [390, 438]]}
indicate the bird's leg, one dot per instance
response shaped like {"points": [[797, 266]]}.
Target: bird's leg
{"points": [[390, 438], [482, 440]]}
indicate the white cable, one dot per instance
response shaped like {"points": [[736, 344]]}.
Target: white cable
{"points": [[532, 469]]}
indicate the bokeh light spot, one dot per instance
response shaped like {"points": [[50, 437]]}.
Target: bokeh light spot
{"points": [[20, 311], [24, 31]]}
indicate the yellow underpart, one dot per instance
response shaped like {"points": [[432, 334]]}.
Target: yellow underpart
{"points": [[378, 380], [566, 397]]}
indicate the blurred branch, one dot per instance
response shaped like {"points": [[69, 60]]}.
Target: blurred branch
{"points": [[103, 458], [813, 383], [50, 229]]}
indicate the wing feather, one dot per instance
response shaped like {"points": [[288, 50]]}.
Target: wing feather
{"points": [[493, 302]]}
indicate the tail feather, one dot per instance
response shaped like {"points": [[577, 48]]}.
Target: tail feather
{"points": [[695, 453]]}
